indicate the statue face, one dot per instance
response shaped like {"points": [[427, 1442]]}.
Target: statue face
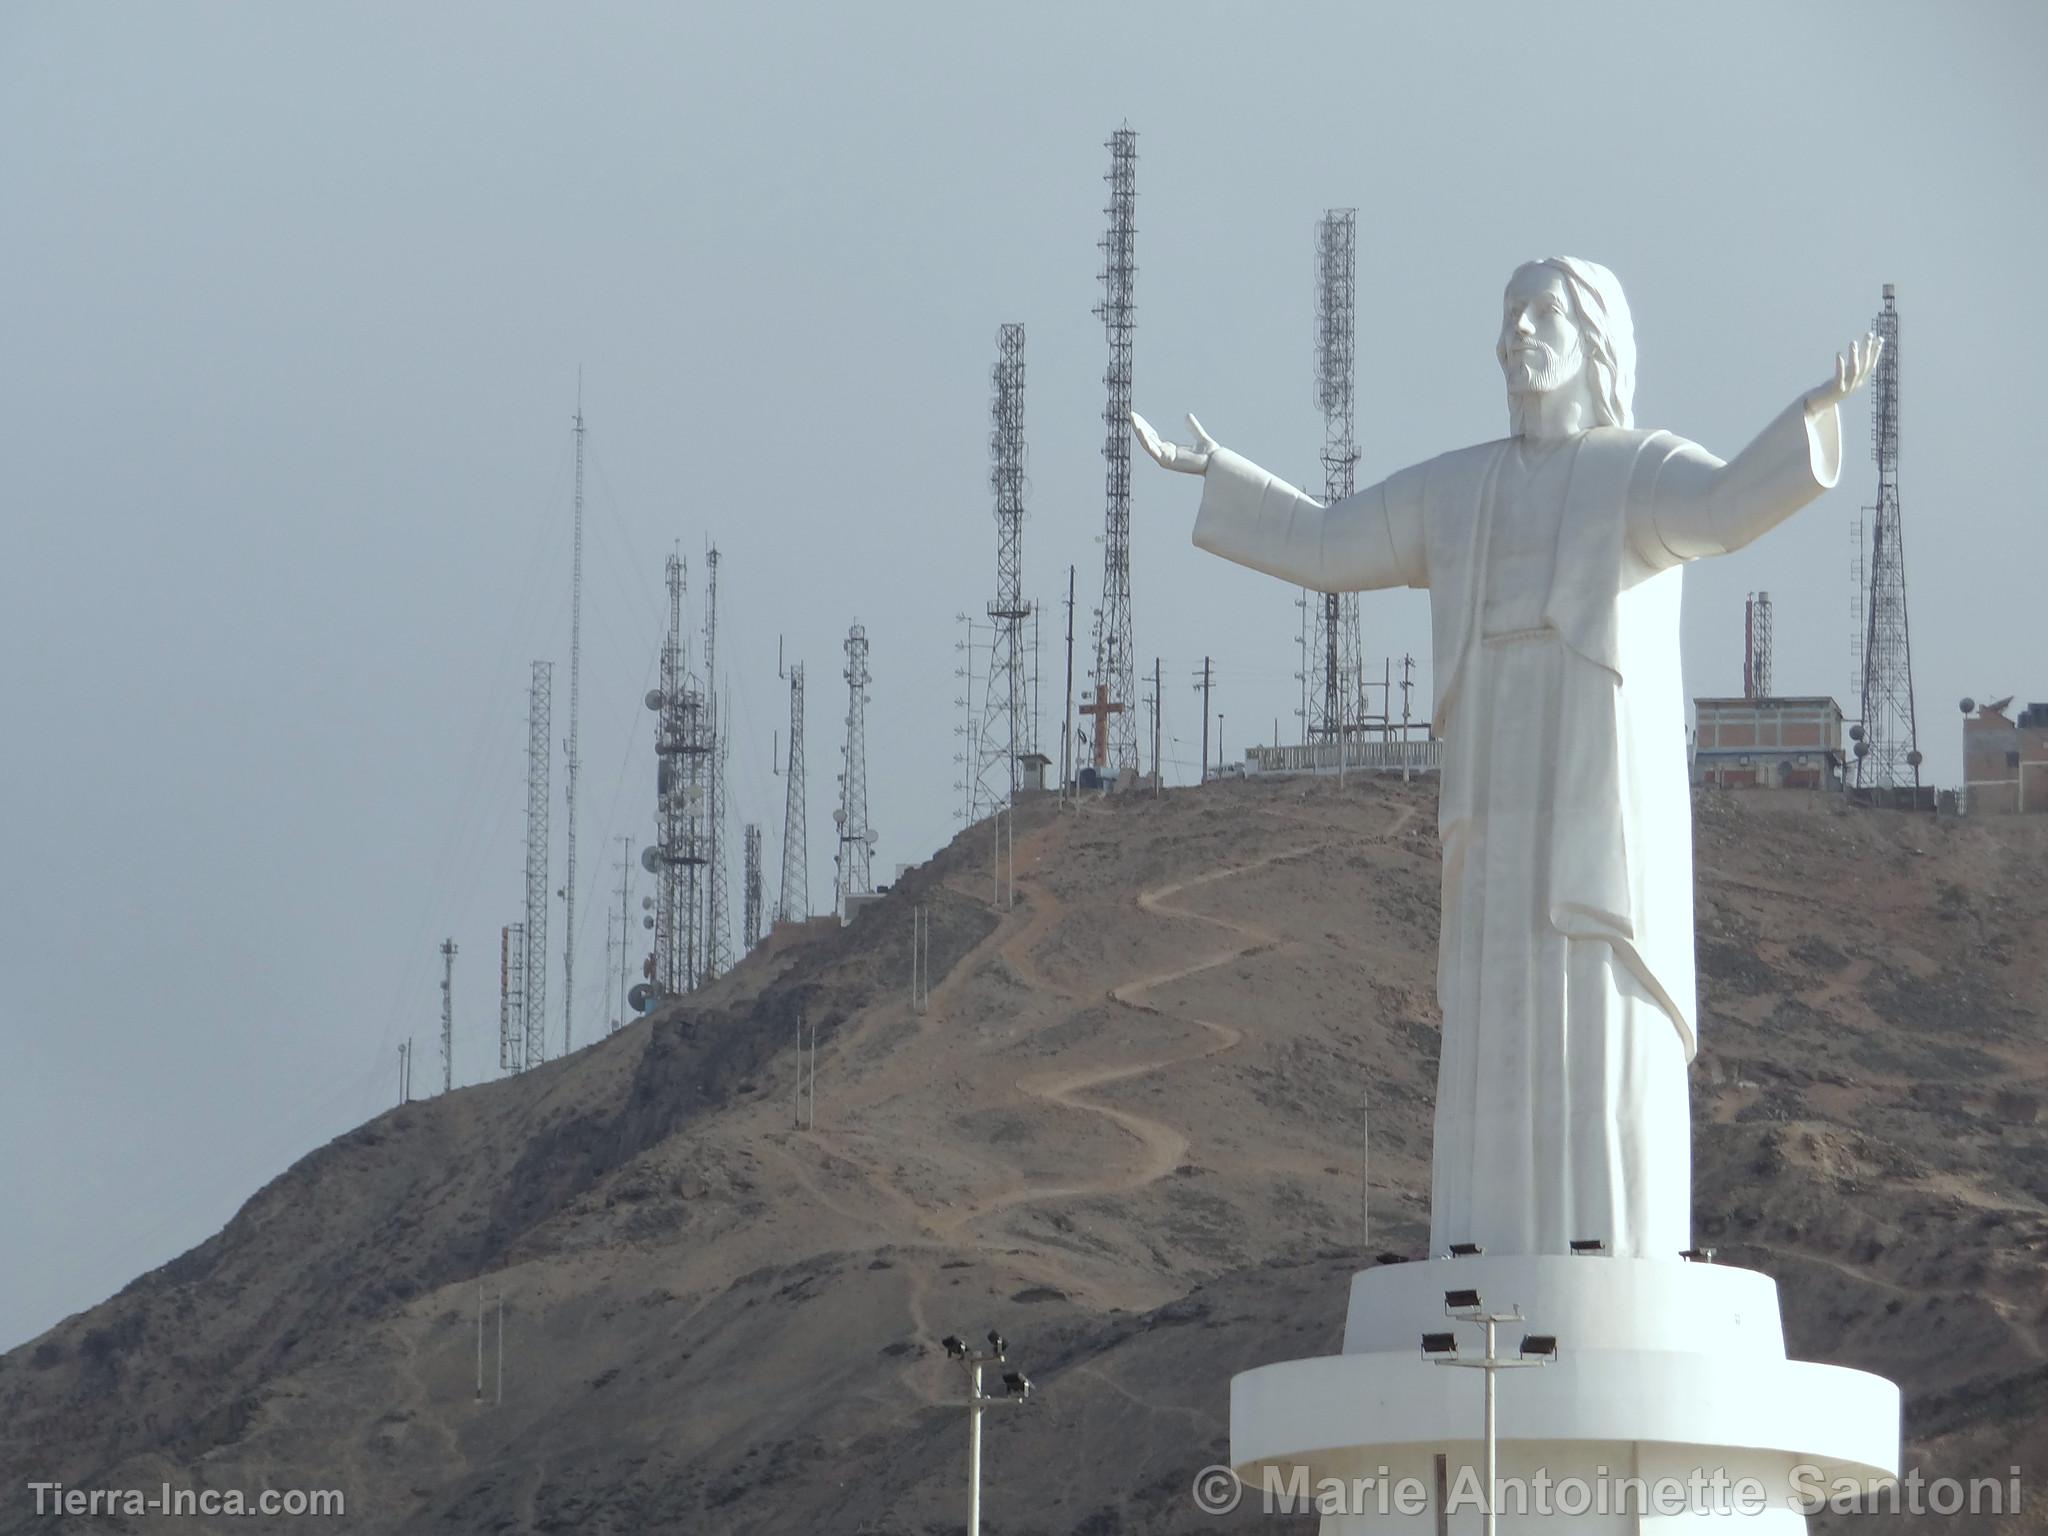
{"points": [[1539, 346]]}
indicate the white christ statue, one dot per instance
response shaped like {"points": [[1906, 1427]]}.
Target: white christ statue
{"points": [[1553, 560]]}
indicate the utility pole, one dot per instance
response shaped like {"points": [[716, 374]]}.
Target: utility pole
{"points": [[1203, 682], [479, 1341], [405, 1071], [1442, 1349], [447, 1015], [1016, 1389], [1157, 698], [569, 744]]}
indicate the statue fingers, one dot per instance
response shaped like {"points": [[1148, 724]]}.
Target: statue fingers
{"points": [[1203, 441]]}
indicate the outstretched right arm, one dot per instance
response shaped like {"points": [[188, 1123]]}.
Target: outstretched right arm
{"points": [[1370, 539]]}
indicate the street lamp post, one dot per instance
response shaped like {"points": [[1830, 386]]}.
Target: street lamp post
{"points": [[1016, 1388], [1442, 1349]]}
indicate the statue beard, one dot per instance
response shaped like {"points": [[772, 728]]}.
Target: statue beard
{"points": [[1539, 371]]}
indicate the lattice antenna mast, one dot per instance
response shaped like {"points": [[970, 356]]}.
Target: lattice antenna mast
{"points": [[447, 1015], [1341, 705], [511, 1000], [856, 838], [1115, 654], [1007, 732], [534, 961], [717, 925], [795, 897], [750, 841], [671, 799], [569, 744], [1888, 750], [1756, 646]]}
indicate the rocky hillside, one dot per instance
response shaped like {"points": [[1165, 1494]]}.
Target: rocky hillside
{"points": [[1128, 1132]]}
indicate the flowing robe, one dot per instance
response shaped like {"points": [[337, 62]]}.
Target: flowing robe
{"points": [[1565, 967]]}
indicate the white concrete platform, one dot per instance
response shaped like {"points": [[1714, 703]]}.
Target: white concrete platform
{"points": [[1664, 1368]]}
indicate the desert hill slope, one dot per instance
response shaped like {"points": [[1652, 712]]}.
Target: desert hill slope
{"points": [[1128, 1132]]}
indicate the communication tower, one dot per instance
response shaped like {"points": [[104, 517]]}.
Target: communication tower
{"points": [[447, 1015], [1332, 665], [569, 744], [1756, 646], [511, 997], [1005, 729], [1115, 656], [717, 937], [750, 930], [856, 838], [533, 978], [795, 897], [1887, 742]]}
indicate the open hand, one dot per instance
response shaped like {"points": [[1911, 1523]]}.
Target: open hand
{"points": [[1189, 461], [1852, 369]]}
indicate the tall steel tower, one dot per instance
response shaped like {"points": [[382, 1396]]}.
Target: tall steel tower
{"points": [[794, 900], [1115, 655], [447, 1015], [668, 860], [1004, 730], [1888, 746], [717, 925], [1333, 668], [853, 875], [569, 744], [1756, 646], [511, 998], [750, 928], [533, 989]]}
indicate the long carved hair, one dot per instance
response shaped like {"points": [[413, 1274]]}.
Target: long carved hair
{"points": [[1607, 335]]}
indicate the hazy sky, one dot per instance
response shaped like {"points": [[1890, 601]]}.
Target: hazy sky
{"points": [[294, 300]]}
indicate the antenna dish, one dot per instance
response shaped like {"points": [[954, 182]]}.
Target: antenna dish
{"points": [[650, 859], [654, 698], [1969, 705], [640, 997], [646, 903], [646, 922]]}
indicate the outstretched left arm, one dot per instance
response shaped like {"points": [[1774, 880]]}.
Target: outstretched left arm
{"points": [[1695, 505]]}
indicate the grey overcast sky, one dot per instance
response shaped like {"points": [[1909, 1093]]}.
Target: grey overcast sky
{"points": [[294, 301]]}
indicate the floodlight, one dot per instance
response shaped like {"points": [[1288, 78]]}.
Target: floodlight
{"points": [[1697, 1255], [1393, 1258], [955, 1346], [1466, 1250], [1539, 1346], [1461, 1301], [1016, 1383], [1439, 1343], [1588, 1245], [995, 1342]]}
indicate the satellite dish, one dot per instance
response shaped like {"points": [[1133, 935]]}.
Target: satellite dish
{"points": [[1969, 705], [640, 997], [646, 903], [1863, 749], [646, 922], [1997, 706], [654, 698], [1855, 733], [650, 859], [1913, 758]]}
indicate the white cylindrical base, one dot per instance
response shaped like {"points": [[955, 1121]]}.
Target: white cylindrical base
{"points": [[1670, 1403]]}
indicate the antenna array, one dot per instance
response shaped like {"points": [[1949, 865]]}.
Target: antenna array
{"points": [[795, 898], [1115, 663], [853, 876], [1887, 738], [533, 973]]}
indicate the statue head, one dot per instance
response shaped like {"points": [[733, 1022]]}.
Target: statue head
{"points": [[1565, 325]]}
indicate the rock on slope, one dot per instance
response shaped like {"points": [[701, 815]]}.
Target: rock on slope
{"points": [[1128, 1133]]}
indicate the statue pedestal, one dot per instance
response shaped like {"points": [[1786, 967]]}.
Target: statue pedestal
{"points": [[1666, 1371]]}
